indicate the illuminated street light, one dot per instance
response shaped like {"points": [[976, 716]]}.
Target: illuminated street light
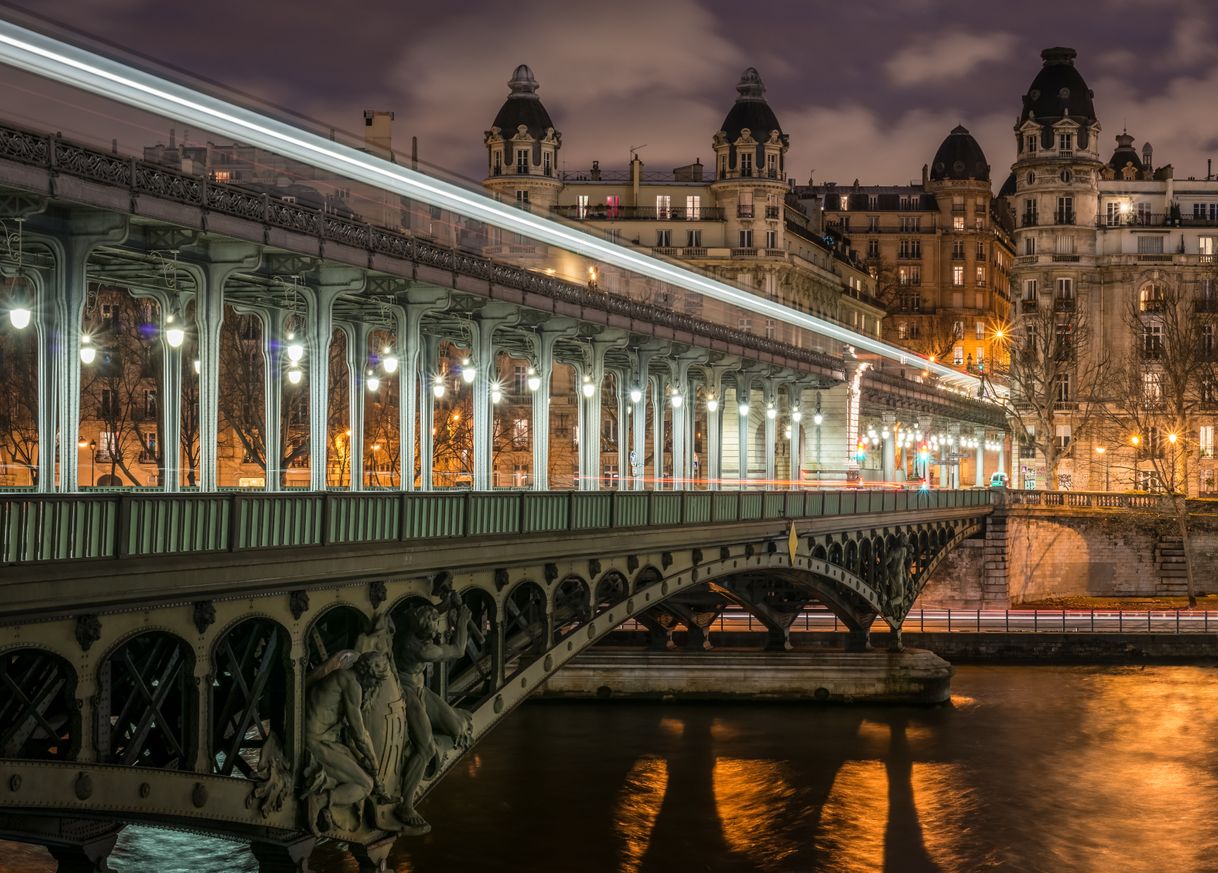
{"points": [[743, 409], [374, 383], [636, 395], [534, 381], [295, 350], [19, 316], [467, 372], [437, 386], [796, 415], [88, 352], [712, 403], [818, 419], [174, 335], [390, 361], [294, 375], [770, 412], [1135, 440], [496, 392], [198, 366], [677, 399], [588, 388]]}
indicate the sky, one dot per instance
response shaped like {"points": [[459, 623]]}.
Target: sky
{"points": [[866, 90]]}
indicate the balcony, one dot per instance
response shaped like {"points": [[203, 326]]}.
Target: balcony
{"points": [[603, 212], [1152, 304], [1028, 219], [1065, 259], [1063, 304], [1205, 304], [1151, 352], [744, 211], [772, 212], [1063, 217]]}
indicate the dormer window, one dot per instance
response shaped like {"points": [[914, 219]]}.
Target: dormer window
{"points": [[844, 200], [497, 168], [1065, 142], [746, 164], [1030, 143], [522, 161], [547, 164], [771, 166]]}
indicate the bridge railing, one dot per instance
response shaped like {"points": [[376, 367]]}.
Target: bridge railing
{"points": [[44, 527], [1099, 500]]}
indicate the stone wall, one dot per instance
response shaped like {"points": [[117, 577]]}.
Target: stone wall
{"points": [[1036, 553]]}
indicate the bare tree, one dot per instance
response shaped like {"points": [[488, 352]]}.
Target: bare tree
{"points": [[1054, 373], [18, 405], [1158, 395]]}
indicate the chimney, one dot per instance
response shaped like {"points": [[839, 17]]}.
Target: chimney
{"points": [[1147, 154], [173, 137], [636, 176], [925, 175], [378, 133], [595, 174]]}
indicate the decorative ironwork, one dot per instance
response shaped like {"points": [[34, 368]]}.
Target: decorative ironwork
{"points": [[203, 615], [37, 710], [249, 695], [145, 703], [87, 631]]}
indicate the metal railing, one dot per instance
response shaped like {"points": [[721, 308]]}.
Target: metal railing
{"points": [[36, 528], [1004, 621], [604, 212]]}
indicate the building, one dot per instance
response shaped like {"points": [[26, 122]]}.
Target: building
{"points": [[1109, 241], [940, 251], [738, 220]]}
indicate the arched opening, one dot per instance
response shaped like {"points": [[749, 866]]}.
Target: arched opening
{"points": [[572, 606], [38, 716], [524, 625], [612, 588], [471, 678], [146, 703], [249, 694], [336, 629], [647, 577]]}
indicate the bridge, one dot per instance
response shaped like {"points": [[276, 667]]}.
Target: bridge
{"points": [[288, 625]]}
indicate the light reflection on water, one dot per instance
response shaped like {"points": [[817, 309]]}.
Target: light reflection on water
{"points": [[1030, 769]]}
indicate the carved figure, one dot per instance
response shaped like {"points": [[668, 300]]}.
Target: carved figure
{"points": [[434, 725], [272, 780], [896, 570], [343, 766]]}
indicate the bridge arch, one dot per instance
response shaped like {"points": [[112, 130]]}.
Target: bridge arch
{"points": [[39, 718], [611, 588], [572, 605], [335, 628], [147, 702], [250, 694]]}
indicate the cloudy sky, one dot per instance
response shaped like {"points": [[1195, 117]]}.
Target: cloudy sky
{"points": [[865, 89]]}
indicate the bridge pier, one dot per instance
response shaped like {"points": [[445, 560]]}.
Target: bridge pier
{"points": [[374, 857], [288, 856], [77, 845]]}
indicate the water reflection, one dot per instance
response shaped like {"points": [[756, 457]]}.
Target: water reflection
{"points": [[1032, 769]]}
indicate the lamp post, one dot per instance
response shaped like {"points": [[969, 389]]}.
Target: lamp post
{"points": [[1103, 453], [92, 461]]}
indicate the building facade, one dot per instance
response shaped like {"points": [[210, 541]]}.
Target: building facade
{"points": [[1110, 242], [940, 253]]}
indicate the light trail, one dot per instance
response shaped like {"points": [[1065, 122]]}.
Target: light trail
{"points": [[88, 71]]}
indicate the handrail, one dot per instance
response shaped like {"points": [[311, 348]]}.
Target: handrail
{"points": [[37, 528], [1096, 500]]}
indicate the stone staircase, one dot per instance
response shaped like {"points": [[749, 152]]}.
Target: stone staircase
{"points": [[1169, 558]]}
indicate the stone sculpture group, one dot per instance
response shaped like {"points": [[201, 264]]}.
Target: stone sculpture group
{"points": [[374, 730]]}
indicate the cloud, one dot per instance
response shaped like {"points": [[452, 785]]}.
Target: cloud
{"points": [[631, 72], [948, 57]]}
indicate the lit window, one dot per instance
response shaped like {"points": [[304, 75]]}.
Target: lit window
{"points": [[693, 207], [663, 206], [958, 276], [582, 209]]}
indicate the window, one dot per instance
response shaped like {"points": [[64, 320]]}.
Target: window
{"points": [[663, 206], [771, 166], [979, 327], [520, 379], [957, 355], [107, 446], [958, 250], [909, 248], [958, 222], [1200, 211], [497, 169], [1029, 143], [1141, 213], [843, 202], [1065, 142], [744, 208], [663, 238], [1206, 441], [522, 199], [1062, 433], [520, 432], [980, 357], [1150, 298], [1152, 386], [522, 160], [1207, 341], [1113, 214], [902, 330], [1029, 212], [694, 239], [148, 448], [1061, 388], [771, 239], [1029, 246], [746, 325], [911, 301], [693, 207], [981, 251], [1031, 177], [769, 328], [746, 239], [1027, 445], [581, 210], [613, 205], [1150, 245], [109, 404], [873, 248], [746, 164], [1066, 176], [1207, 246], [1065, 210], [1065, 288], [149, 403], [547, 164], [958, 276], [1152, 341], [980, 276]]}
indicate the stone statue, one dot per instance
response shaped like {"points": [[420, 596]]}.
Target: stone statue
{"points": [[434, 726], [343, 767], [272, 779], [896, 572]]}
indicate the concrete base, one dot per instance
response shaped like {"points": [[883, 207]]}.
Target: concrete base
{"points": [[911, 676]]}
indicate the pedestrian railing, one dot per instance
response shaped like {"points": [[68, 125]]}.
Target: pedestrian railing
{"points": [[54, 527], [981, 621]]}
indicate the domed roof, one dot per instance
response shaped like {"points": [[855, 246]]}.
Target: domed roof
{"points": [[523, 106], [1008, 187], [1125, 154], [750, 111], [1059, 90], [960, 158]]}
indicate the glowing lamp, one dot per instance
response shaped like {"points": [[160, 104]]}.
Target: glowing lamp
{"points": [[390, 363], [770, 412], [437, 386], [588, 388], [198, 366], [712, 404], [295, 352], [294, 375], [88, 352], [796, 415], [677, 399], [743, 409], [374, 382], [19, 317], [467, 372], [818, 419], [496, 393], [534, 381], [636, 395]]}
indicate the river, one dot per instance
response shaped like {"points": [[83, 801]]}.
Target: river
{"points": [[1029, 769]]}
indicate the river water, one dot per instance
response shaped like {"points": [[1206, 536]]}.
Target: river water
{"points": [[1028, 769]]}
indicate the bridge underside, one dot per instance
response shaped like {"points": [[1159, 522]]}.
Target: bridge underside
{"points": [[196, 714]]}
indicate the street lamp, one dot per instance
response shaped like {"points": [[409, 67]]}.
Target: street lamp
{"points": [[92, 461], [712, 403], [636, 395], [533, 380], [1103, 453]]}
